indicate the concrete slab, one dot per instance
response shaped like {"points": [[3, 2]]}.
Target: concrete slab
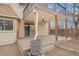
{"points": [[10, 50], [60, 52], [71, 45], [47, 43]]}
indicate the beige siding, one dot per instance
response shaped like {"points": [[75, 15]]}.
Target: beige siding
{"points": [[6, 10], [7, 37], [43, 29]]}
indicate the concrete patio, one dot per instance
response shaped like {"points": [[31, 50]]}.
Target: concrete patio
{"points": [[10, 50], [71, 45], [47, 43], [60, 52], [13, 50], [50, 47]]}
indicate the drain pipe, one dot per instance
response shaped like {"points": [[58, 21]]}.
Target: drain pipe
{"points": [[36, 23], [35, 46]]}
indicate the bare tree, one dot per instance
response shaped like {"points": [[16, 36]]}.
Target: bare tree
{"points": [[75, 21]]}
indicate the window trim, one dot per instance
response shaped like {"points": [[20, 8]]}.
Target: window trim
{"points": [[4, 26]]}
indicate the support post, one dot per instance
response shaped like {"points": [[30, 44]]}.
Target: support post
{"points": [[56, 27], [65, 31]]}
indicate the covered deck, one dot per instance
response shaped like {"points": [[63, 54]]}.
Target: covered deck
{"points": [[41, 19]]}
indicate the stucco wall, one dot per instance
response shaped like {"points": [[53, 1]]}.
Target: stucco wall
{"points": [[7, 37], [43, 29]]}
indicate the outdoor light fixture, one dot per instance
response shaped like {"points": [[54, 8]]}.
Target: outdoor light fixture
{"points": [[43, 20]]}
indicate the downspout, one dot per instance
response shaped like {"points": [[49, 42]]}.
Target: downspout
{"points": [[36, 24], [36, 21]]}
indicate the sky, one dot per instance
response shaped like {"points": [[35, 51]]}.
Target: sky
{"points": [[69, 8]]}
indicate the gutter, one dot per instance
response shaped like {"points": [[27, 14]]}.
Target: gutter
{"points": [[8, 16], [36, 24]]}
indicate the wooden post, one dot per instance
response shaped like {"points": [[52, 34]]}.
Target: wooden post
{"points": [[18, 29], [56, 27], [65, 30]]}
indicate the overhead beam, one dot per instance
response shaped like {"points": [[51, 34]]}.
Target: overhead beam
{"points": [[61, 6]]}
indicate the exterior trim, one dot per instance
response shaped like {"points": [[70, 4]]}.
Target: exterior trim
{"points": [[8, 16]]}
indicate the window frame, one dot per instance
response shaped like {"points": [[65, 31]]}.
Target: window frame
{"points": [[4, 26]]}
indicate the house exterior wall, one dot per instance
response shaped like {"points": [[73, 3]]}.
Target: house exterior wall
{"points": [[18, 9], [43, 29], [7, 37], [6, 10]]}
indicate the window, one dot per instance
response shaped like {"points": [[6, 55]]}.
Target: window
{"points": [[52, 26], [6, 25], [1, 25], [61, 24]]}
